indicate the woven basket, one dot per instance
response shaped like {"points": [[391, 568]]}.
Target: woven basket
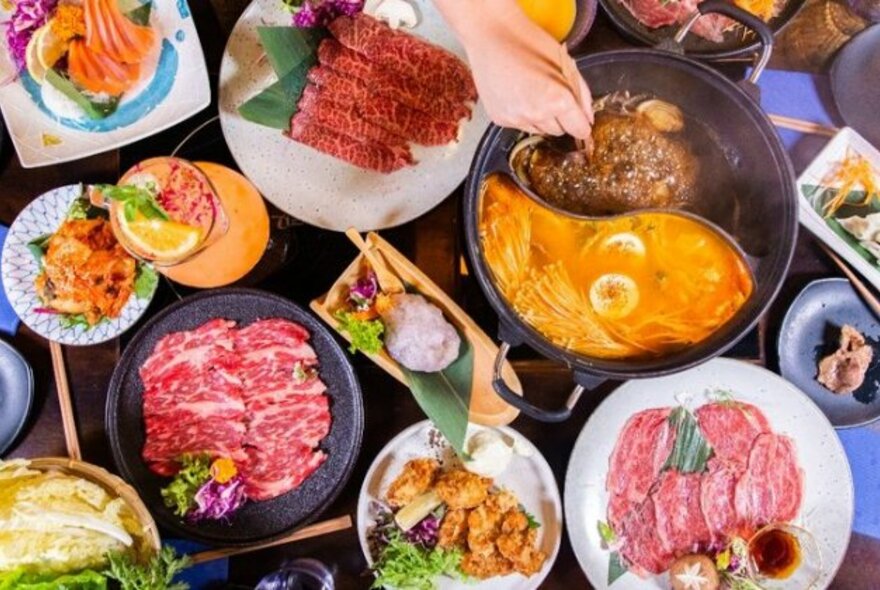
{"points": [[114, 485]]}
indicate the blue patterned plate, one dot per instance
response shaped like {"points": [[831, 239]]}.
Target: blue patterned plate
{"points": [[20, 269]]}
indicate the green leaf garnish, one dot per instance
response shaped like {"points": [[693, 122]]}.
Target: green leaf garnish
{"points": [[609, 537], [366, 335], [22, 579], [691, 451], [141, 14], [180, 494], [402, 564], [92, 109], [533, 522], [292, 52], [145, 281], [616, 567], [158, 574], [38, 246], [135, 199], [445, 396]]}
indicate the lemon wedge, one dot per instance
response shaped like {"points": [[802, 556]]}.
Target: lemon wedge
{"points": [[160, 239], [614, 295], [50, 48], [32, 61]]}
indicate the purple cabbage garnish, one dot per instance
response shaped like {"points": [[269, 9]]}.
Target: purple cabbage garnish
{"points": [[363, 293], [318, 13], [216, 501], [28, 16], [425, 533]]}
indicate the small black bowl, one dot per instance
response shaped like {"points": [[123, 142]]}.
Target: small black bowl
{"points": [[810, 331], [256, 521], [16, 394]]}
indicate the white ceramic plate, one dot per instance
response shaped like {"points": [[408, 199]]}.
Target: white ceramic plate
{"points": [[827, 509], [19, 267], [846, 139], [530, 478], [320, 189], [178, 90]]}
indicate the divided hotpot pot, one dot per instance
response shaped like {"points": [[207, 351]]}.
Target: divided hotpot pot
{"points": [[765, 227]]}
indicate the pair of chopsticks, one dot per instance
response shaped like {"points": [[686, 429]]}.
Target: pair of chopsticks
{"points": [[74, 452], [802, 125], [860, 286]]}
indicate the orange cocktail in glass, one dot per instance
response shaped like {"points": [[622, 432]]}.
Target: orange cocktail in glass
{"points": [[165, 210]]}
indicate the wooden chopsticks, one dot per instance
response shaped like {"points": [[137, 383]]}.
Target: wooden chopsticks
{"points": [[63, 388], [802, 125], [322, 528], [859, 285]]}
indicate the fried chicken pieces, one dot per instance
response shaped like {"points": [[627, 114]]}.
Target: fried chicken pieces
{"points": [[86, 271], [489, 525]]}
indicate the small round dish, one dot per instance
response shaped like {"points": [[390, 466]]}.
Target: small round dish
{"points": [[16, 394], [20, 269], [583, 22], [529, 477], [858, 102], [810, 331]]}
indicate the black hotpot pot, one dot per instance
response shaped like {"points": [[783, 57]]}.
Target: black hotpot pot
{"points": [[765, 226]]}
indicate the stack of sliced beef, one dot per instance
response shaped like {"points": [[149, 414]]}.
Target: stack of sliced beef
{"points": [[753, 479], [229, 392], [376, 90]]}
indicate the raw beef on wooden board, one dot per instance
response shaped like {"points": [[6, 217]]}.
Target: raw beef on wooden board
{"points": [[660, 513], [229, 392]]}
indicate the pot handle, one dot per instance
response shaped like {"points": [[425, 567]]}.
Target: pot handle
{"points": [[532, 411], [741, 16]]}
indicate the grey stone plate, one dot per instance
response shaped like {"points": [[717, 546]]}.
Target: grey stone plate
{"points": [[256, 521]]}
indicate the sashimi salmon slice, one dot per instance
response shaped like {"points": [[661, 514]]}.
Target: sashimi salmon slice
{"points": [[110, 32], [97, 72]]}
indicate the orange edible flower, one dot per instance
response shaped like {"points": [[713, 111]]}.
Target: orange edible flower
{"points": [[223, 469], [68, 22]]}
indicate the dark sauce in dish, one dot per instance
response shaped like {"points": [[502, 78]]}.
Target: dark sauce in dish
{"points": [[776, 553]]}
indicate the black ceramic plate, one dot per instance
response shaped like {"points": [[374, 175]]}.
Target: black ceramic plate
{"points": [[854, 77], [256, 521], [737, 42], [811, 330], [16, 394]]}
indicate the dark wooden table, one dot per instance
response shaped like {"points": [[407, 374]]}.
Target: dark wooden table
{"points": [[303, 262]]}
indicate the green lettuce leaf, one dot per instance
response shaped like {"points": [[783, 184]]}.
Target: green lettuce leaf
{"points": [[180, 494], [158, 574], [366, 335], [402, 564], [146, 281], [20, 579]]}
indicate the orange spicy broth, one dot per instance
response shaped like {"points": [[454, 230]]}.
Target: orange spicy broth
{"points": [[642, 285]]}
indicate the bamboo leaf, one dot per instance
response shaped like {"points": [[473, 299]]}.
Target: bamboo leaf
{"points": [[288, 48], [445, 396], [292, 52], [616, 567], [691, 451]]}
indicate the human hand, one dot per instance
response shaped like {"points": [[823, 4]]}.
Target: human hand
{"points": [[517, 69]]}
